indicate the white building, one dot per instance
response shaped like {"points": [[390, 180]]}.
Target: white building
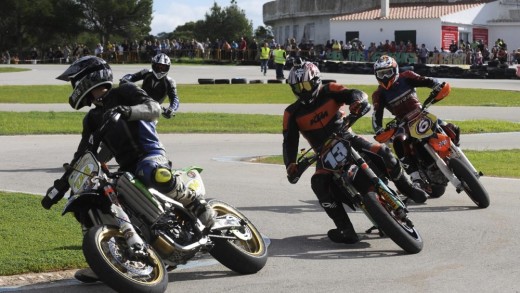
{"points": [[432, 22], [433, 25]]}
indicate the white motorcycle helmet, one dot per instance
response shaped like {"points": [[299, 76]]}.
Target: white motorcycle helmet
{"points": [[386, 71], [305, 81], [160, 65]]}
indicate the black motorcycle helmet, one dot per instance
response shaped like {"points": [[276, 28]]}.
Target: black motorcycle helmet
{"points": [[85, 74]]}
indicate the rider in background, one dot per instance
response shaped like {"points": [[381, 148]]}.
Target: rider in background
{"points": [[316, 114], [157, 84], [132, 139], [396, 92]]}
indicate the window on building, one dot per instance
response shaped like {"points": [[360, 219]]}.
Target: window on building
{"points": [[349, 36], [295, 32], [405, 36], [287, 33], [308, 33]]}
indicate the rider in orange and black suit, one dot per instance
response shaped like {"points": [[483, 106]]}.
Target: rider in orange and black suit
{"points": [[396, 92], [318, 113]]}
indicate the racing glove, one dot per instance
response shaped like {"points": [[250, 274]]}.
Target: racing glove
{"points": [[168, 113], [125, 111], [55, 193]]}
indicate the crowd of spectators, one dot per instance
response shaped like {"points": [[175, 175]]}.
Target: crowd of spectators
{"points": [[247, 49]]}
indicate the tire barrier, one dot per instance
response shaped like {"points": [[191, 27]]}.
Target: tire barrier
{"points": [[239, 81], [275, 81], [325, 81], [222, 81], [257, 81], [494, 70], [206, 81]]}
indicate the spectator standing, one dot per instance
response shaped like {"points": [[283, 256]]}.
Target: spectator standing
{"points": [[98, 51], [279, 55], [265, 54], [7, 57], [453, 47], [58, 54], [242, 49], [34, 53], [253, 50], [423, 54]]}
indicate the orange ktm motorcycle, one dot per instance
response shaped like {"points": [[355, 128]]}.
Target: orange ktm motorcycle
{"points": [[440, 161]]}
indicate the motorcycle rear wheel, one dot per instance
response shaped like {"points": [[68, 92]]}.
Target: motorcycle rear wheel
{"points": [[245, 251], [105, 248], [407, 237], [472, 186]]}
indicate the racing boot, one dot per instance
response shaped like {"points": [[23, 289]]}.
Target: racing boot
{"points": [[86, 276], [411, 191], [194, 202], [345, 234]]}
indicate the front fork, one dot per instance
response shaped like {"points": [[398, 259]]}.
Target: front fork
{"points": [[445, 169], [134, 241], [382, 189], [458, 153]]}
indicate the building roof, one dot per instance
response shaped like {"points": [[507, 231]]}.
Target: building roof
{"points": [[407, 11]]}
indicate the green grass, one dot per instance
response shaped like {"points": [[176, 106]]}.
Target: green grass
{"points": [[12, 69], [17, 123], [491, 163], [253, 94], [37, 240]]}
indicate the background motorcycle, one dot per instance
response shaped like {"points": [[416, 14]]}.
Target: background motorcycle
{"points": [[133, 235], [362, 179], [439, 159]]}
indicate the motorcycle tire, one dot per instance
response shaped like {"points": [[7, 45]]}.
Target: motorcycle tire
{"points": [[472, 186], [437, 190], [245, 251], [407, 237], [104, 248]]}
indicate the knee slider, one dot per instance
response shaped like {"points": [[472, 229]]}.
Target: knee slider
{"points": [[163, 179]]}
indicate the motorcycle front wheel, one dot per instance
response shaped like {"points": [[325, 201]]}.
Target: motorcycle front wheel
{"points": [[470, 183], [241, 250], [105, 250], [401, 232]]}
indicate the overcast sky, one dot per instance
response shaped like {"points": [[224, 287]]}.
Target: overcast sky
{"points": [[168, 14]]}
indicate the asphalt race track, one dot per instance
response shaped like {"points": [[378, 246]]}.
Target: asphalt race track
{"points": [[466, 249]]}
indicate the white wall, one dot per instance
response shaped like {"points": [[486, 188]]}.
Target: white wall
{"points": [[321, 29], [428, 30]]}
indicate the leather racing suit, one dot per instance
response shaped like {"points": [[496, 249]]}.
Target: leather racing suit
{"points": [[316, 122]]}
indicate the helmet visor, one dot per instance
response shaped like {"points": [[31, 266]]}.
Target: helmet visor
{"points": [[158, 67], [305, 86], [388, 72]]}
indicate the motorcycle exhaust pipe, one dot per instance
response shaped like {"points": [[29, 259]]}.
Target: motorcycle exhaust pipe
{"points": [[139, 199]]}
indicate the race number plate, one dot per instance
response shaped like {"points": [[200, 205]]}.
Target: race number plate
{"points": [[87, 165], [422, 127], [336, 156]]}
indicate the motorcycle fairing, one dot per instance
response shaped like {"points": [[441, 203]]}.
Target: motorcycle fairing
{"points": [[79, 179], [441, 143]]}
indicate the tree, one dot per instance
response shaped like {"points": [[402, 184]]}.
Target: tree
{"points": [[124, 18], [38, 23], [229, 23], [264, 32]]}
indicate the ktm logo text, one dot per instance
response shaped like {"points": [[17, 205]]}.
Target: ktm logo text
{"points": [[318, 117]]}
